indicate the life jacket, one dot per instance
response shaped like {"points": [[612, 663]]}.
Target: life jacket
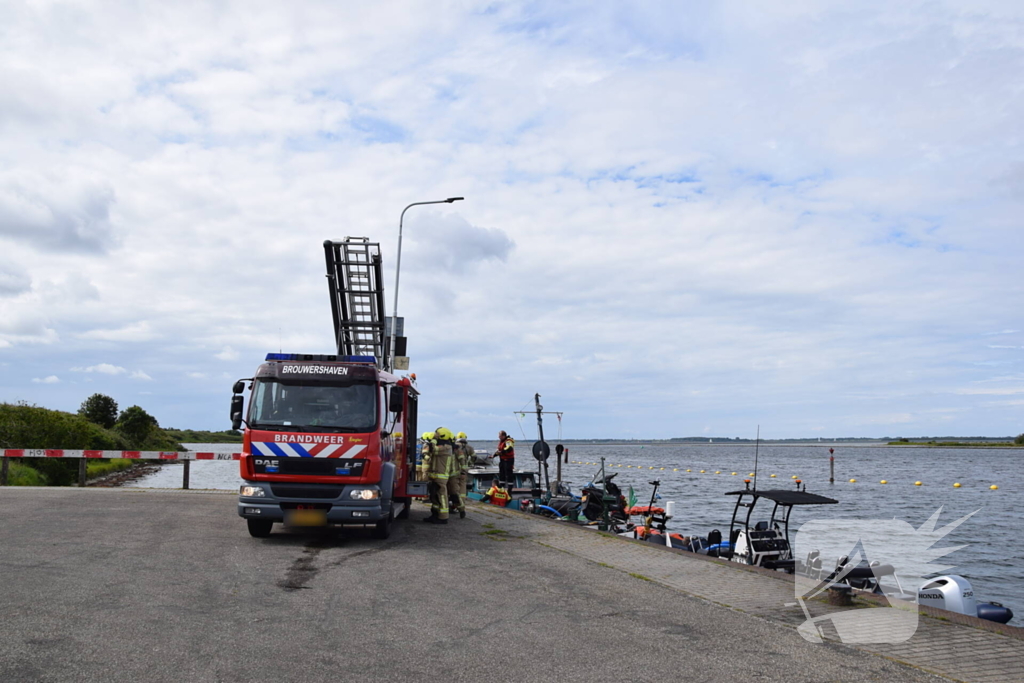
{"points": [[499, 496], [507, 449]]}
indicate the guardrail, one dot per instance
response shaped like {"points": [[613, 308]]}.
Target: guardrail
{"points": [[83, 455]]}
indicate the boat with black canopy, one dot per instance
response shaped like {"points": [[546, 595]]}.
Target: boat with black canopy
{"points": [[764, 543]]}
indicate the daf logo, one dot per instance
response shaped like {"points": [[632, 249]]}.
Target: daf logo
{"points": [[270, 463]]}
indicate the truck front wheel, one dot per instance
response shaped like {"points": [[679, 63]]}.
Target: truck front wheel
{"points": [[259, 528], [382, 529]]}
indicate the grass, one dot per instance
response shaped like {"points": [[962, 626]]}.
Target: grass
{"points": [[639, 576], [104, 467], [23, 475]]}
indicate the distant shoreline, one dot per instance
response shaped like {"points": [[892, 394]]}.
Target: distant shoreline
{"points": [[879, 443]]}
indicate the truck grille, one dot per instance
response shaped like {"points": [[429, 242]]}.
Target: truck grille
{"points": [[326, 492], [332, 467]]}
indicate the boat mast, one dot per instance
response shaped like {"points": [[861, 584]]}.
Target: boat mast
{"points": [[540, 430]]}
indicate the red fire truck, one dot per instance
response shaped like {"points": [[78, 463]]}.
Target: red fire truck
{"points": [[330, 439]]}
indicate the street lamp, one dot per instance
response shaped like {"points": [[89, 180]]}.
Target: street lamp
{"points": [[398, 268]]}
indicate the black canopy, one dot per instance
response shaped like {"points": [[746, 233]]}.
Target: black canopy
{"points": [[786, 496]]}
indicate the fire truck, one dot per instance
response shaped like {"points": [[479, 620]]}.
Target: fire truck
{"points": [[330, 438]]}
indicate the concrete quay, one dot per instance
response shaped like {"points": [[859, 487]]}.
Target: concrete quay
{"points": [[147, 585]]}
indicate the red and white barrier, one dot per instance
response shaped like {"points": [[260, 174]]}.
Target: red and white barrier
{"points": [[134, 455]]}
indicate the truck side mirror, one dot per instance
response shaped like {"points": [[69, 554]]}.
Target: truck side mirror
{"points": [[239, 387], [395, 399], [236, 411]]}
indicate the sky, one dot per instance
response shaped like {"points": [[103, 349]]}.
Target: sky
{"points": [[680, 218]]}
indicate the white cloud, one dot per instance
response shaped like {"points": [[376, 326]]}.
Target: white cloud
{"points": [[139, 374], [102, 368], [227, 353], [196, 375], [133, 332], [51, 379]]}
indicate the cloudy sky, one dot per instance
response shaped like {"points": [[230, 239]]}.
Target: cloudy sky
{"points": [[681, 218]]}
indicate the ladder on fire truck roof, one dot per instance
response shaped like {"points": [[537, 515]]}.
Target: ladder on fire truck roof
{"points": [[355, 280]]}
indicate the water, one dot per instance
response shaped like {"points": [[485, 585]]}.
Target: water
{"points": [[993, 560]]}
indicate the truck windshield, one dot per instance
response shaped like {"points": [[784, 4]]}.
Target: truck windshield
{"points": [[313, 408]]}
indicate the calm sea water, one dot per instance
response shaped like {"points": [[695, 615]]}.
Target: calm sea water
{"points": [[994, 557]]}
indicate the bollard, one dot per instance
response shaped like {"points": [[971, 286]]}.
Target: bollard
{"points": [[82, 472], [839, 595], [184, 475], [3, 471]]}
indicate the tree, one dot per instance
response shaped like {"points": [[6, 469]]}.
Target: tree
{"points": [[99, 409], [1019, 440], [136, 425]]}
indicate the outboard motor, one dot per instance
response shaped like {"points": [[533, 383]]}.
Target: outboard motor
{"points": [[952, 593], [955, 593]]}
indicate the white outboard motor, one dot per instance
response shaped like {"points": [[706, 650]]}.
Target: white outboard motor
{"points": [[952, 593]]}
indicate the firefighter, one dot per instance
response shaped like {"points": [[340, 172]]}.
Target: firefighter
{"points": [[439, 469], [457, 484], [506, 459]]}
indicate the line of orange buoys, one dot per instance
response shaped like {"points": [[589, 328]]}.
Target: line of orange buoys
{"points": [[956, 485]]}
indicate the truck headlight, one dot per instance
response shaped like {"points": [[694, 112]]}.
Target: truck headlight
{"points": [[364, 494], [252, 492]]}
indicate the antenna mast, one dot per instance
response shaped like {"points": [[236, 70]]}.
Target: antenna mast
{"points": [[757, 443]]}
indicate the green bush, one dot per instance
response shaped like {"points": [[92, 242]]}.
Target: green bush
{"points": [[23, 475], [99, 409], [1019, 440], [136, 425], [27, 426]]}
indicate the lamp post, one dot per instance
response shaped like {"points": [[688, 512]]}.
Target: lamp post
{"points": [[398, 269]]}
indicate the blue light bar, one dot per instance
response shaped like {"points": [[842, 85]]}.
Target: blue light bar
{"points": [[324, 357]]}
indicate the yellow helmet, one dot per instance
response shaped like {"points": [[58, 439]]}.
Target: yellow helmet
{"points": [[428, 436], [443, 433], [461, 435]]}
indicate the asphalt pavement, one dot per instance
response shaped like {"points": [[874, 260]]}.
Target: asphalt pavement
{"points": [[142, 585]]}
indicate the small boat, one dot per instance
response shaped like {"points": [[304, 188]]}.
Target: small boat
{"points": [[479, 480], [763, 543]]}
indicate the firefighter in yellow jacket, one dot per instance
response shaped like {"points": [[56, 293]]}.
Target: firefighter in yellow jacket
{"points": [[457, 483], [439, 466]]}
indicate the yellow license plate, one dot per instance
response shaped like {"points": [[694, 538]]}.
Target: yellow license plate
{"points": [[306, 518]]}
